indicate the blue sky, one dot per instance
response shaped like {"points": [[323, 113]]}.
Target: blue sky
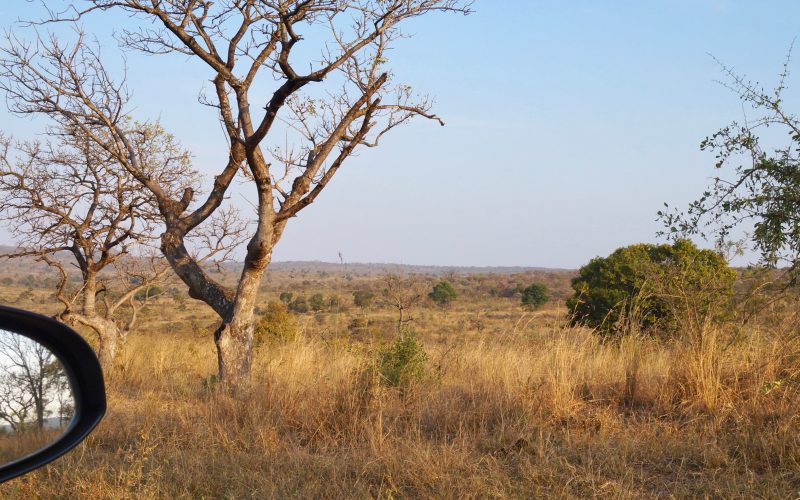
{"points": [[568, 126]]}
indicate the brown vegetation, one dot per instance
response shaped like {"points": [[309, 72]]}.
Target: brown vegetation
{"points": [[514, 404]]}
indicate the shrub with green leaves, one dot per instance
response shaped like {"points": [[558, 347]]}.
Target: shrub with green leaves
{"points": [[276, 324], [299, 305], [317, 302], [286, 297], [443, 293], [636, 284], [403, 361], [535, 296], [148, 292], [363, 298]]}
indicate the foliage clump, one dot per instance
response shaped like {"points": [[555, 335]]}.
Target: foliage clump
{"points": [[317, 302], [276, 324], [299, 305], [403, 362], [443, 293], [637, 284], [535, 296], [363, 298], [148, 292]]}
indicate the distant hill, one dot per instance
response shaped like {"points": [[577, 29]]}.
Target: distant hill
{"points": [[316, 266], [370, 268]]}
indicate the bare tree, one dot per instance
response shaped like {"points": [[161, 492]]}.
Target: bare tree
{"points": [[241, 42], [403, 294], [31, 378], [69, 202]]}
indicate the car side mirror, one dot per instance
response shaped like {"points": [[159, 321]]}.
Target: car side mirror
{"points": [[51, 391]]}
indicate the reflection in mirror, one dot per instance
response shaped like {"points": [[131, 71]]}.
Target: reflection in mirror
{"points": [[36, 404]]}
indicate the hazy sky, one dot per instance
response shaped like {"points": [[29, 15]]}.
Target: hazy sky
{"points": [[569, 123]]}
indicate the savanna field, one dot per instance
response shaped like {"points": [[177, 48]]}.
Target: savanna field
{"points": [[486, 400]]}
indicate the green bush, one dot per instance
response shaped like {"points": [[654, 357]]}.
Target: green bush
{"points": [[148, 292], [317, 302], [535, 296], [443, 293], [276, 323], [637, 284], [403, 361], [299, 305], [286, 297], [363, 298]]}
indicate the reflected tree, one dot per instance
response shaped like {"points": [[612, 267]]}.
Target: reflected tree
{"points": [[32, 383]]}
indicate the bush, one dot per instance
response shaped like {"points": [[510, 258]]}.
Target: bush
{"points": [[275, 324], [317, 302], [286, 297], [403, 362], [363, 298], [509, 292], [443, 293], [535, 296], [358, 326], [148, 292], [299, 305], [334, 304], [632, 285]]}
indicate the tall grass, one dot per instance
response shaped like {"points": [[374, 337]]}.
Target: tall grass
{"points": [[542, 410]]}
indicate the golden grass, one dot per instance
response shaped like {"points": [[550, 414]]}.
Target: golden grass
{"points": [[537, 410]]}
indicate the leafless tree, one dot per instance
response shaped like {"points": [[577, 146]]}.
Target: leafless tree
{"points": [[70, 204], [30, 379], [243, 44], [403, 293]]}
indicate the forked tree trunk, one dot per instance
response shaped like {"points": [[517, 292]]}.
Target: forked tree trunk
{"points": [[234, 339], [108, 335]]}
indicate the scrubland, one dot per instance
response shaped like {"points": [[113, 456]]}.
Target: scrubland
{"points": [[512, 403]]}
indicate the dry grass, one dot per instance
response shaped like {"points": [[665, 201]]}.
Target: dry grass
{"points": [[515, 405]]}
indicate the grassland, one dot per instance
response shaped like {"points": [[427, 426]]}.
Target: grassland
{"points": [[514, 404]]}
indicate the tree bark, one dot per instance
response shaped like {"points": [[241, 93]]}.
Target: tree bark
{"points": [[234, 338], [234, 354], [108, 335]]}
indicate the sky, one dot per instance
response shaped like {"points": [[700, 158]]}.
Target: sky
{"points": [[568, 125]]}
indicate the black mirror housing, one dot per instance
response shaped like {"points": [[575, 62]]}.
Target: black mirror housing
{"points": [[85, 376]]}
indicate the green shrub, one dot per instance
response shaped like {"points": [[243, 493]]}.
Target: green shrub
{"points": [[299, 305], [637, 284], [535, 296], [317, 302], [403, 361], [276, 324], [148, 292], [362, 298], [286, 297], [443, 293]]}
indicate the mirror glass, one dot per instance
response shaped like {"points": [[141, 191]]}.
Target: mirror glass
{"points": [[36, 403]]}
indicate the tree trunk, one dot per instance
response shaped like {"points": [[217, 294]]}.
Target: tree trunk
{"points": [[234, 354], [234, 338], [108, 334], [39, 414]]}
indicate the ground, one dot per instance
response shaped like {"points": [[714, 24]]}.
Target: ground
{"points": [[512, 403]]}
